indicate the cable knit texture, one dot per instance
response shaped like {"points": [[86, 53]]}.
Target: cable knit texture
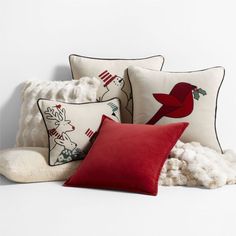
{"points": [[32, 132], [192, 164]]}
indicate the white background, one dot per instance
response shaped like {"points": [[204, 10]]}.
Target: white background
{"points": [[48, 209], [36, 38]]}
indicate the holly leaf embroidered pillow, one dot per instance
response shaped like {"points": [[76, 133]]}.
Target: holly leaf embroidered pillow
{"points": [[113, 76], [165, 97], [71, 127]]}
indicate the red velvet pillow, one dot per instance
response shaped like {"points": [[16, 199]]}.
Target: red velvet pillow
{"points": [[127, 157]]}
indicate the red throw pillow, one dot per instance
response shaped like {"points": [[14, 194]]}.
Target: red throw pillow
{"points": [[127, 157]]}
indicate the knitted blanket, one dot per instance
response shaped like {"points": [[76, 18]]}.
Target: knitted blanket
{"points": [[191, 164]]}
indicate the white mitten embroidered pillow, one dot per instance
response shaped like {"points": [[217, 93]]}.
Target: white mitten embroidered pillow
{"points": [[113, 76]]}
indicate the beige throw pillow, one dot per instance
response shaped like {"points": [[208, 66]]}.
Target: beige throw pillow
{"points": [[32, 132]]}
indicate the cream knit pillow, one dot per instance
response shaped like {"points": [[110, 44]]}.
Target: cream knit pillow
{"points": [[32, 132]]}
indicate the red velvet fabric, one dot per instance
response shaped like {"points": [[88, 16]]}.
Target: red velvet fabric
{"points": [[127, 157]]}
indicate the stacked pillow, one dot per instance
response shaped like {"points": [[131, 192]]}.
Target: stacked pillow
{"points": [[118, 156], [28, 162], [32, 132]]}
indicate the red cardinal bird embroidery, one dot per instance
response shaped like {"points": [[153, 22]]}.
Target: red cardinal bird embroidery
{"points": [[179, 103]]}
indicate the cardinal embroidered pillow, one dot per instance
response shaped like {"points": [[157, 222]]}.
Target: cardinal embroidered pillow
{"points": [[71, 127], [113, 76], [165, 97]]}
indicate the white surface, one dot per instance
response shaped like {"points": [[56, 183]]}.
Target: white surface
{"points": [[37, 37], [50, 209]]}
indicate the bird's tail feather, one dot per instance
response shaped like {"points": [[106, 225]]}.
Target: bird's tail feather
{"points": [[155, 118]]}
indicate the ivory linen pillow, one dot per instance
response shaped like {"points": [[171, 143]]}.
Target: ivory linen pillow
{"points": [[166, 97], [32, 132], [30, 164], [113, 76], [71, 126]]}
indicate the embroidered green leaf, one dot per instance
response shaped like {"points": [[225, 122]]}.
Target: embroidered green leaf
{"points": [[201, 91], [196, 95]]}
